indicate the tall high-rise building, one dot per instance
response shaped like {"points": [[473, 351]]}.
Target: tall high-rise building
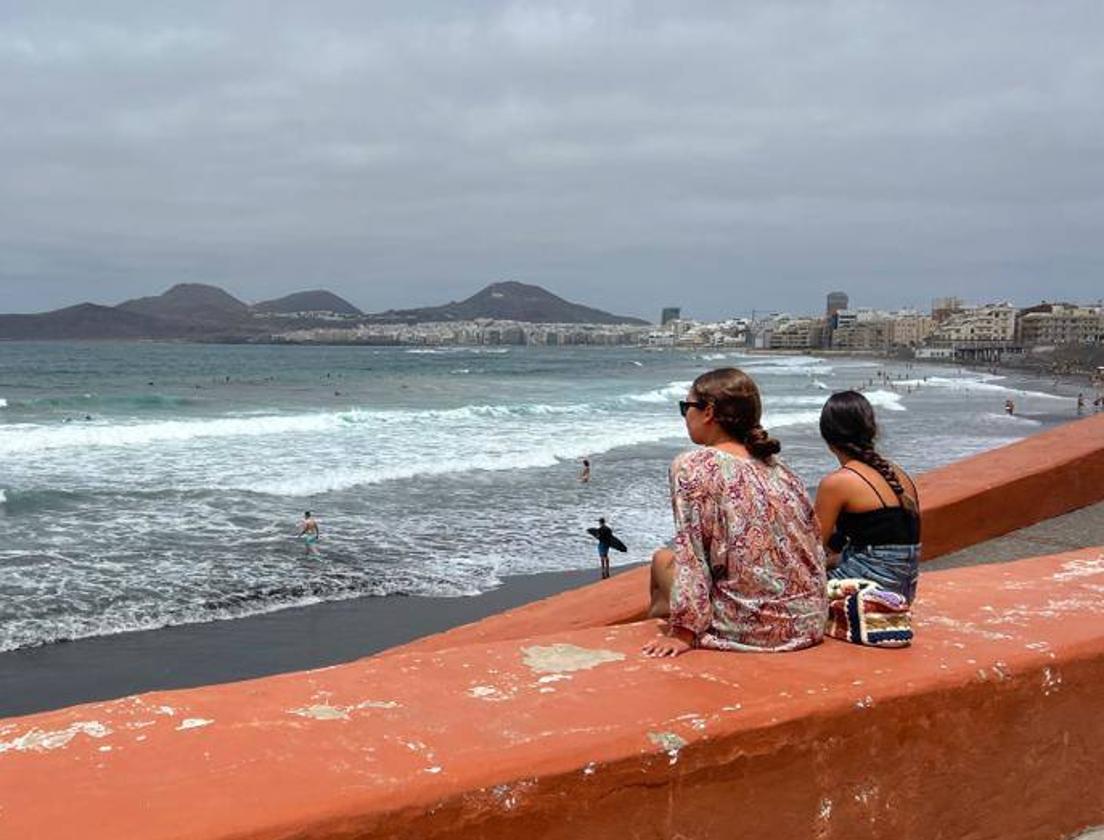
{"points": [[670, 313], [836, 302]]}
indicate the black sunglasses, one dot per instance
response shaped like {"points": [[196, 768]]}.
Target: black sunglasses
{"points": [[684, 405]]}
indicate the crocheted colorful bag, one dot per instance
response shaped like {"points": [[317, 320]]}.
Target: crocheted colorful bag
{"points": [[860, 612]]}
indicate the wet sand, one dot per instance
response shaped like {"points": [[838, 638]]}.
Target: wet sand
{"points": [[67, 673]]}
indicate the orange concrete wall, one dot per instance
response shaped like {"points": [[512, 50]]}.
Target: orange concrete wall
{"points": [[963, 503], [1004, 489], [988, 727]]}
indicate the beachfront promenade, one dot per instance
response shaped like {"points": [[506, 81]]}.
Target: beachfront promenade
{"points": [[547, 722]]}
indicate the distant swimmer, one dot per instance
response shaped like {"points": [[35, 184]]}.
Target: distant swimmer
{"points": [[1080, 403], [1009, 407], [308, 531], [584, 476]]}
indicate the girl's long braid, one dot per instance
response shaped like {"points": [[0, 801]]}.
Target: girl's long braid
{"points": [[866, 453]]}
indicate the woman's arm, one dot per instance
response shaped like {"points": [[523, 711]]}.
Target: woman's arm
{"points": [[830, 500]]}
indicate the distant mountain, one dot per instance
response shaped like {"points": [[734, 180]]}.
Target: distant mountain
{"points": [[192, 303], [85, 320], [318, 300], [508, 301], [197, 312]]}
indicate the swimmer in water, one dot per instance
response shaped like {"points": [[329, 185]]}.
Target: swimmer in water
{"points": [[308, 531]]}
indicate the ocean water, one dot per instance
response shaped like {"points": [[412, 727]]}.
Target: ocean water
{"points": [[147, 485]]}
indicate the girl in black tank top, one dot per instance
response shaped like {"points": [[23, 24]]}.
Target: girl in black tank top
{"points": [[875, 543]]}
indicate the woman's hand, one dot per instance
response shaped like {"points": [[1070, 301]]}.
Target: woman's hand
{"points": [[678, 640]]}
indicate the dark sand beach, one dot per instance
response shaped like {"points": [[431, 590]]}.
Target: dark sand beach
{"points": [[65, 674]]}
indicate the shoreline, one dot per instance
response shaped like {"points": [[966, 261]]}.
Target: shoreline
{"points": [[62, 674]]}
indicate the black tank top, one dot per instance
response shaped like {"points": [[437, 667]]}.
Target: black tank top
{"points": [[882, 526]]}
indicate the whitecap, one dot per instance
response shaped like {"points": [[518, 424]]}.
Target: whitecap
{"points": [[982, 382], [668, 393], [889, 400], [1011, 419]]}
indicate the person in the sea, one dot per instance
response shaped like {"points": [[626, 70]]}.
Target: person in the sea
{"points": [[604, 535], [584, 476], [745, 570], [868, 509], [308, 532]]}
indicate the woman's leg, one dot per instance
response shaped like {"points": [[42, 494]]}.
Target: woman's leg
{"points": [[663, 574]]}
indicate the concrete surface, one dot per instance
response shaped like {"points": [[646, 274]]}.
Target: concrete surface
{"points": [[1081, 528]]}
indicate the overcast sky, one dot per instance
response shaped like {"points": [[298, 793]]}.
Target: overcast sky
{"points": [[721, 156]]}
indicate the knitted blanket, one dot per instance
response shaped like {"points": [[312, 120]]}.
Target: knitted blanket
{"points": [[860, 612]]}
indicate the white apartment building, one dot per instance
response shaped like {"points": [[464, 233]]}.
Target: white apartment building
{"points": [[991, 322], [1062, 324], [797, 334]]}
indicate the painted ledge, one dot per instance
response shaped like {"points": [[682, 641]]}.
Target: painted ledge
{"points": [[987, 728]]}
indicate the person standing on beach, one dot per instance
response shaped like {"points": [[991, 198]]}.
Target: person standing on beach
{"points": [[308, 531], [584, 476], [605, 538]]}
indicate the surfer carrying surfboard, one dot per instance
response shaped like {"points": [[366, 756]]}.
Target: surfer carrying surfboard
{"points": [[606, 540]]}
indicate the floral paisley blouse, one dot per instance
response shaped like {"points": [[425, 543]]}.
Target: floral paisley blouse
{"points": [[749, 564]]}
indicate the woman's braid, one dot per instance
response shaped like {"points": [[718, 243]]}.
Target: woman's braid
{"points": [[867, 454]]}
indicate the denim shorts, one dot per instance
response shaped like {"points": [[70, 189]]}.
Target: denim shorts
{"points": [[892, 567]]}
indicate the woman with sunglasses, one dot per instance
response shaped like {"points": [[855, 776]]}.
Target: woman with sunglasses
{"points": [[746, 568]]}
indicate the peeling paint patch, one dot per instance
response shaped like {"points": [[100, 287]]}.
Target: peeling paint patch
{"points": [[193, 723], [321, 711], [550, 678], [967, 628], [325, 711], [546, 659], [509, 797], [823, 820], [1080, 568], [1052, 681], [38, 740], [668, 741], [489, 692], [435, 769]]}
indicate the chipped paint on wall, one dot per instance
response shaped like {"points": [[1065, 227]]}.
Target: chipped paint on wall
{"points": [[558, 658], [38, 740]]}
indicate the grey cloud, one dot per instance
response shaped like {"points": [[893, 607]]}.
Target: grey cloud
{"points": [[628, 155]]}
